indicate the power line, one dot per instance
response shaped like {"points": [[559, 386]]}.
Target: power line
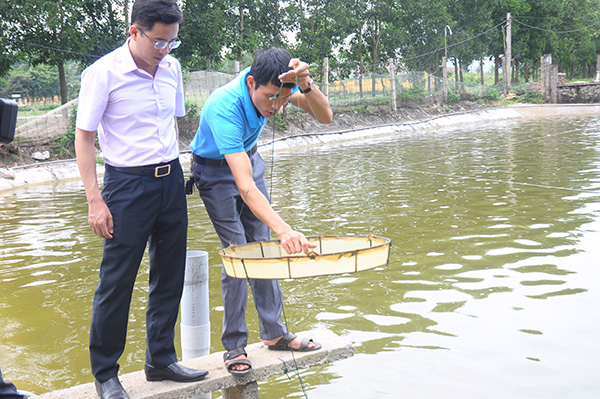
{"points": [[50, 48], [555, 31], [455, 44]]}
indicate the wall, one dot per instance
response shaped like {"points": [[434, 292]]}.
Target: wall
{"points": [[581, 93]]}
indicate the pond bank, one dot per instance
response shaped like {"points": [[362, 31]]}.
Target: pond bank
{"points": [[18, 176]]}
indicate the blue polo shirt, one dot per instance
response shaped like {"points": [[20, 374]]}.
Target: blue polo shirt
{"points": [[229, 122]]}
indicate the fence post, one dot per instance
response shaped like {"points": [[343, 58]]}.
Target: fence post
{"points": [[445, 74], [393, 80], [506, 71], [598, 68], [326, 76]]}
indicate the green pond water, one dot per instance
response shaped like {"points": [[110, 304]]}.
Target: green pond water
{"points": [[492, 289]]}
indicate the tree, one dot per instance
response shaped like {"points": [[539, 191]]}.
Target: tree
{"points": [[204, 19], [54, 32], [423, 23]]}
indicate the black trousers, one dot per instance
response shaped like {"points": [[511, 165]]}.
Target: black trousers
{"points": [[145, 209], [8, 390]]}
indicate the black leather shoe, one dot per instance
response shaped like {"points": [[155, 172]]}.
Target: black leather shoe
{"points": [[111, 389], [173, 372]]}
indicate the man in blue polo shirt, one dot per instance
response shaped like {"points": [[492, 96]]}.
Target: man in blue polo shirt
{"points": [[229, 174]]}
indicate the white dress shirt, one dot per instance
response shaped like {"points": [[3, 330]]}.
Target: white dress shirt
{"points": [[133, 112]]}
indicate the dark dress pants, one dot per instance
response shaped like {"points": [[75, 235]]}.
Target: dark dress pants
{"points": [[235, 223], [8, 390], [145, 209]]}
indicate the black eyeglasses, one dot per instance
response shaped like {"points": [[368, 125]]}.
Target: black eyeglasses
{"points": [[161, 45]]}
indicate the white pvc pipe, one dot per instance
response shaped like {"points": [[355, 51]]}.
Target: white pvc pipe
{"points": [[195, 321]]}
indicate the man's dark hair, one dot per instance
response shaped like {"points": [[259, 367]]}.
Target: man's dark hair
{"points": [[146, 13], [269, 64]]}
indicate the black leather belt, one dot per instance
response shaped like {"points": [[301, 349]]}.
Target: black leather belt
{"points": [[218, 162], [158, 170]]}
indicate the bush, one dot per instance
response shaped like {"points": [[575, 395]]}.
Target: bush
{"points": [[278, 120], [66, 145], [453, 97], [492, 95], [532, 98], [414, 93]]}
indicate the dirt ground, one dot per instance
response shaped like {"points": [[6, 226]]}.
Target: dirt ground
{"points": [[21, 153]]}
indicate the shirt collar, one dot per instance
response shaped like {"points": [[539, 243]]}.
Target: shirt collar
{"points": [[128, 63]]}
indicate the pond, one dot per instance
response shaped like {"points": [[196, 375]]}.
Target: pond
{"points": [[492, 287]]}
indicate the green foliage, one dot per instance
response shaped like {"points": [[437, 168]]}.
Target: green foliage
{"points": [[453, 97], [361, 107], [358, 36], [492, 95], [532, 98], [66, 145], [279, 121], [414, 93], [54, 32], [380, 101]]}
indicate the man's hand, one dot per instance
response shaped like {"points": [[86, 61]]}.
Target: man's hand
{"points": [[100, 219], [299, 74], [294, 242], [318, 105]]}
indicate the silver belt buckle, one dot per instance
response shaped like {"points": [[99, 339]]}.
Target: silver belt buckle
{"points": [[158, 171]]}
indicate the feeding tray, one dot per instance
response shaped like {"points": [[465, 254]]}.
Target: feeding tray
{"points": [[333, 255]]}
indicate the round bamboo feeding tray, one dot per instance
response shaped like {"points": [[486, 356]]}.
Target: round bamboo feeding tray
{"points": [[333, 255]]}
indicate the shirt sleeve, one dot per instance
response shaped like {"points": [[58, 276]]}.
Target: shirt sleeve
{"points": [[227, 127], [93, 99], [179, 96]]}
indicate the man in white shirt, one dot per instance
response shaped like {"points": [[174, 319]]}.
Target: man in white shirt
{"points": [[130, 98]]}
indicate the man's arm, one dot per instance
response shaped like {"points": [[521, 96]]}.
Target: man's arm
{"points": [[241, 168], [99, 216], [314, 102]]}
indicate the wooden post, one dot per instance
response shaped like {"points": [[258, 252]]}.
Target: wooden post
{"points": [[445, 74], [393, 80], [598, 68], [326, 76], [482, 75], [373, 67], [507, 55]]}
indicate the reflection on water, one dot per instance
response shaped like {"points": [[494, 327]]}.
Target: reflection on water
{"points": [[491, 289]]}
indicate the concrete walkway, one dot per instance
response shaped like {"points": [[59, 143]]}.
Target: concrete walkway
{"points": [[265, 363], [48, 172]]}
